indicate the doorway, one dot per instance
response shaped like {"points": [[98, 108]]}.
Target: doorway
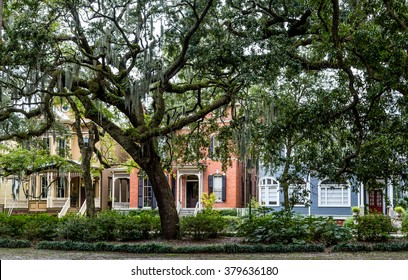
{"points": [[192, 193], [375, 201]]}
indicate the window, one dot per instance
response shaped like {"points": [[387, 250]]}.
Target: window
{"points": [[334, 194], [46, 144], [298, 193], [217, 187], [147, 193], [61, 147], [215, 143], [34, 186], [269, 192], [44, 187], [86, 142], [61, 187]]}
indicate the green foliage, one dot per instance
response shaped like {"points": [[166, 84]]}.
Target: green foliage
{"points": [[159, 248], [284, 227], [382, 247], [373, 227], [110, 226], [41, 227], [11, 243], [404, 227], [208, 224], [208, 201], [12, 226]]}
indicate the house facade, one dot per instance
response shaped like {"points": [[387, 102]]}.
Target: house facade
{"points": [[324, 197], [51, 189]]}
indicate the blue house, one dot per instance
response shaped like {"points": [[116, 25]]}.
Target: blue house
{"points": [[329, 198], [320, 197]]}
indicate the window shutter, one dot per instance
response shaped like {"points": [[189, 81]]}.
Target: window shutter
{"points": [[210, 184], [154, 202], [224, 188], [140, 192]]}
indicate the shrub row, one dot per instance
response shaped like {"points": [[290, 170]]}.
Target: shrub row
{"points": [[12, 243], [106, 226], [166, 249], [383, 247]]}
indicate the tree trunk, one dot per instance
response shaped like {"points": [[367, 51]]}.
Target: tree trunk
{"points": [[89, 187], [162, 191], [285, 178]]}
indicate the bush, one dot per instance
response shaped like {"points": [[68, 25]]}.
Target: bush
{"points": [[12, 226], [159, 248], [134, 227], [79, 228], [10, 243], [373, 227], [284, 227], [41, 227], [404, 228], [207, 224]]}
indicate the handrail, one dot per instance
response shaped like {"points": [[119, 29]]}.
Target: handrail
{"points": [[65, 208], [82, 210], [197, 208]]}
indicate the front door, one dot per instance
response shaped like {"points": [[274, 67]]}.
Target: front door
{"points": [[375, 201], [192, 194]]}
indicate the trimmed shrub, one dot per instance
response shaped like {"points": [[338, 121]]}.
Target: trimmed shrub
{"points": [[11, 243], [159, 248], [79, 228], [134, 227], [41, 227], [207, 224], [373, 227], [12, 226]]}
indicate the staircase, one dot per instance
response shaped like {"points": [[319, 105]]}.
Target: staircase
{"points": [[186, 212]]}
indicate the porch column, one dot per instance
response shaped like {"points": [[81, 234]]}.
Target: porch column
{"points": [[309, 209], [362, 195], [178, 189], [200, 188], [51, 192], [113, 191], [69, 185], [99, 191]]}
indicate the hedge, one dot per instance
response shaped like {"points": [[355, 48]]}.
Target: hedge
{"points": [[159, 248], [379, 247], [13, 243]]}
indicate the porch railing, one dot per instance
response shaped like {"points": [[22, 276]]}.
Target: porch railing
{"points": [[121, 205], [12, 204], [65, 208], [82, 210]]}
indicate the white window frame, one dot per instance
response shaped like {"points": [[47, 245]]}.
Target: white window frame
{"points": [[149, 195], [345, 187], [268, 186], [290, 190], [217, 188]]}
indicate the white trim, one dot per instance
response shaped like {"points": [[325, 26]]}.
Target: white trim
{"points": [[344, 186], [268, 188]]}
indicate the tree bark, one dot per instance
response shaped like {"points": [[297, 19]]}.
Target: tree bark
{"points": [[167, 209]]}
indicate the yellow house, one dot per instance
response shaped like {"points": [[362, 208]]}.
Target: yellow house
{"points": [[51, 189]]}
